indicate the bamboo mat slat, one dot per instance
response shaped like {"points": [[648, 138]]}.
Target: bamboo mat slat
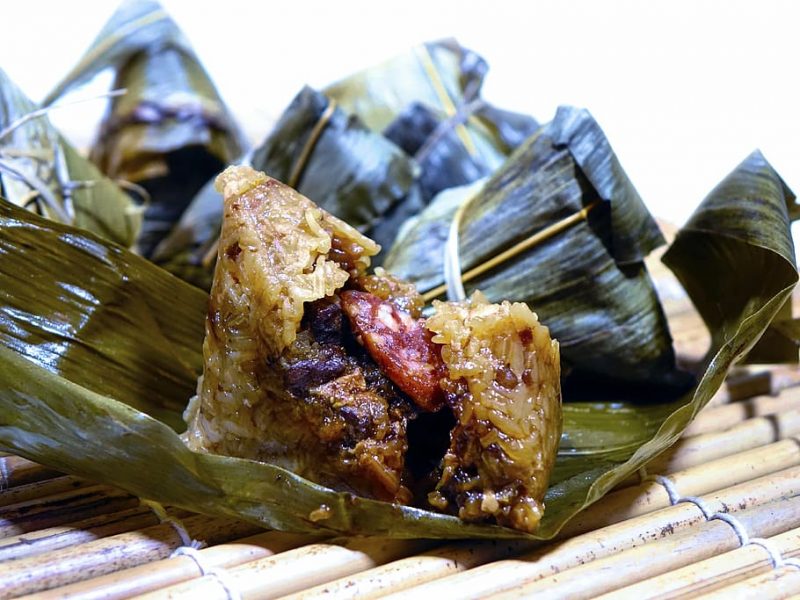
{"points": [[54, 569], [713, 574], [15, 470], [79, 532], [506, 574], [296, 569], [154, 576], [703, 541], [62, 508], [772, 585], [41, 489]]}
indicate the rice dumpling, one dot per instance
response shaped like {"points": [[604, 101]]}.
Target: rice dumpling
{"points": [[312, 364], [374, 160], [436, 82], [170, 132], [445, 161], [589, 282]]}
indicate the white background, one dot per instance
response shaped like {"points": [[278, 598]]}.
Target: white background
{"points": [[683, 89]]}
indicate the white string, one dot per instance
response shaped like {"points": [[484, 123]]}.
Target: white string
{"points": [[5, 480], [220, 575], [707, 512], [191, 549], [774, 554], [738, 527], [672, 491], [176, 524]]}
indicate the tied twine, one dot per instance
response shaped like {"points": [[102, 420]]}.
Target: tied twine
{"points": [[220, 575], [295, 175], [5, 478], [190, 548], [174, 522], [302, 160], [455, 279]]}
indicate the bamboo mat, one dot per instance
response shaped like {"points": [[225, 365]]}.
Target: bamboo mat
{"points": [[716, 516]]}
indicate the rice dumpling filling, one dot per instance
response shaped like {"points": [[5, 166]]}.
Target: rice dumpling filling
{"points": [[314, 365]]}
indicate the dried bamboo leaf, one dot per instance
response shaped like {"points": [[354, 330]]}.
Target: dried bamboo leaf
{"points": [[171, 131], [183, 252], [748, 272], [41, 171], [435, 74], [720, 296], [779, 344], [351, 172]]}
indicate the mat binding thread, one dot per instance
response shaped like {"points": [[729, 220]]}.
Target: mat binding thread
{"points": [[775, 557]]}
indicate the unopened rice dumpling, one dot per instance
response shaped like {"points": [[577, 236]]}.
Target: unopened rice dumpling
{"points": [[312, 364], [169, 132]]}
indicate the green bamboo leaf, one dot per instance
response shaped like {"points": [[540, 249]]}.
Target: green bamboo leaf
{"points": [[76, 430], [51, 411], [98, 315], [170, 132], [41, 171]]}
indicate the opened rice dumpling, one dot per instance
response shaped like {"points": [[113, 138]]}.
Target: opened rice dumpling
{"points": [[312, 364]]}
